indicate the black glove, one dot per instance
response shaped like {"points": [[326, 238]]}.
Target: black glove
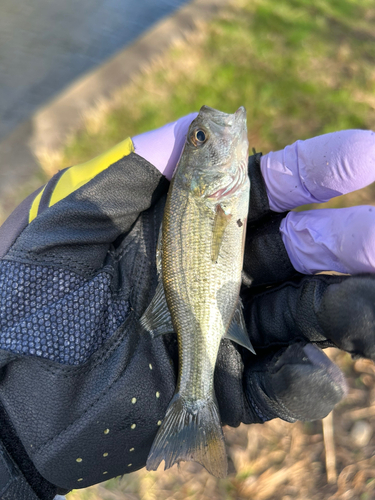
{"points": [[83, 388]]}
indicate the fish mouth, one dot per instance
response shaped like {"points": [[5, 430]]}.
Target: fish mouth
{"points": [[224, 119], [240, 114], [237, 180]]}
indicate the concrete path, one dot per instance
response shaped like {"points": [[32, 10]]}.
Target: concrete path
{"points": [[47, 44], [48, 127]]}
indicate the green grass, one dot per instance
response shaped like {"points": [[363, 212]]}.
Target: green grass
{"points": [[301, 68]]}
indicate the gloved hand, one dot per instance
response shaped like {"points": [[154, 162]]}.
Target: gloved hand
{"points": [[289, 313], [83, 388]]}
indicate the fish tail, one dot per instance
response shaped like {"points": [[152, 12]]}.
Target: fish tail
{"points": [[190, 432]]}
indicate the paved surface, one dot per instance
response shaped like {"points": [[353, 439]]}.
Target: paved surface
{"points": [[60, 114], [46, 44]]}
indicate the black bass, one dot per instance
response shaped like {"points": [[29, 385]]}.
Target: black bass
{"points": [[199, 261]]}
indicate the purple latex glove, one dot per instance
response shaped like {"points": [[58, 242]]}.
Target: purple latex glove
{"points": [[311, 171], [162, 147]]}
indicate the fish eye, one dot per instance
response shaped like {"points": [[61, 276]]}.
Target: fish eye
{"points": [[199, 137]]}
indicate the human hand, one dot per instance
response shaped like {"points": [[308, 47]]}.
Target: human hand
{"points": [[304, 311], [299, 314], [85, 387], [82, 387]]}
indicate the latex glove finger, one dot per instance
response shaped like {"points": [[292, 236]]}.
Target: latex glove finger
{"points": [[162, 147], [318, 169], [341, 240], [327, 310], [296, 383]]}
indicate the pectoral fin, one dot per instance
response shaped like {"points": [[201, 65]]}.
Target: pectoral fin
{"points": [[220, 223], [237, 330], [157, 318]]}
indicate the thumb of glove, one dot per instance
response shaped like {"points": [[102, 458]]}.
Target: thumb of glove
{"points": [[297, 383]]}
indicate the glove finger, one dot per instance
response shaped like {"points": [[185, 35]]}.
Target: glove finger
{"points": [[318, 169], [172, 138], [296, 383], [328, 310], [347, 315], [339, 240], [266, 260]]}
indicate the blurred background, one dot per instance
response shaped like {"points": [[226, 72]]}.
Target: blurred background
{"points": [[78, 77]]}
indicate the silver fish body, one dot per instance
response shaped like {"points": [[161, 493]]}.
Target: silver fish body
{"points": [[200, 257]]}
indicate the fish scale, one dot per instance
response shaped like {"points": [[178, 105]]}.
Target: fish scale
{"points": [[201, 249], [196, 372]]}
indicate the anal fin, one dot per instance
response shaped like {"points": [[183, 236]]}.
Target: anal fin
{"points": [[237, 330]]}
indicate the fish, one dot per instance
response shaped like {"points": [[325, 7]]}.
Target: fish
{"points": [[199, 262]]}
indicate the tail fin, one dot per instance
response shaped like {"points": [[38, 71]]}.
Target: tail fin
{"points": [[190, 433]]}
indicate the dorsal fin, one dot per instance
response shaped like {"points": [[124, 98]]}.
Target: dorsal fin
{"points": [[157, 318], [159, 252]]}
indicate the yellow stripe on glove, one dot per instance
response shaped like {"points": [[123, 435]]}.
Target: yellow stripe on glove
{"points": [[75, 177]]}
